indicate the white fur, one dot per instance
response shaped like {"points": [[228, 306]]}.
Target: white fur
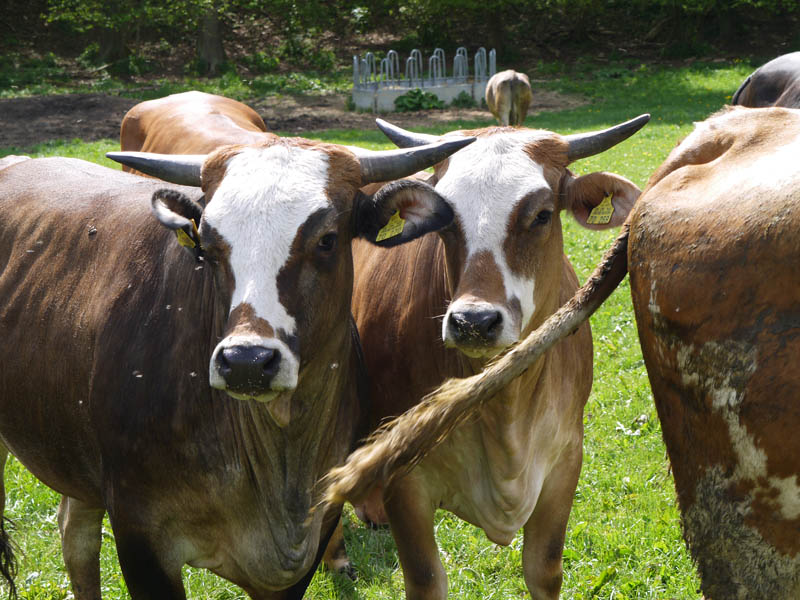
{"points": [[484, 182], [751, 460], [264, 198]]}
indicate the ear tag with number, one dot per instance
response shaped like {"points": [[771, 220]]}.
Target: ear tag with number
{"points": [[392, 228], [602, 213], [184, 239]]}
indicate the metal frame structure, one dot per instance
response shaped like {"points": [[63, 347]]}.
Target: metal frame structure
{"points": [[376, 84]]}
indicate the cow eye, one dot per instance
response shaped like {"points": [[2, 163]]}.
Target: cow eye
{"points": [[543, 218], [327, 242]]}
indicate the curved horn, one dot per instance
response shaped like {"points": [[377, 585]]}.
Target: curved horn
{"points": [[582, 145], [387, 165], [183, 169], [403, 138]]}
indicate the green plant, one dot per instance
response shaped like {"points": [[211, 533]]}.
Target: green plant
{"points": [[415, 100], [464, 100], [261, 62]]}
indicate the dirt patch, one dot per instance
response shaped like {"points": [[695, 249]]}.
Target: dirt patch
{"points": [[25, 122]]}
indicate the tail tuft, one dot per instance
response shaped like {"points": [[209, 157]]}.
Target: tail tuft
{"points": [[8, 562]]}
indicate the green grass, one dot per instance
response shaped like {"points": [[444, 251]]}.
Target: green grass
{"points": [[624, 540]]}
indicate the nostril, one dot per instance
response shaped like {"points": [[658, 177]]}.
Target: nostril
{"points": [[223, 364], [271, 361], [494, 322]]}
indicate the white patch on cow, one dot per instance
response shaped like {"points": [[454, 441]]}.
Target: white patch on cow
{"points": [[484, 182], [264, 198], [655, 309], [725, 386]]}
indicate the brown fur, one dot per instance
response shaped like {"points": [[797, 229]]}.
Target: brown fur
{"points": [[715, 305], [190, 123], [400, 444], [139, 432]]}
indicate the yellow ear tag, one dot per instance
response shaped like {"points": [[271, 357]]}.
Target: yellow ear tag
{"points": [[183, 239], [392, 228], [602, 213]]}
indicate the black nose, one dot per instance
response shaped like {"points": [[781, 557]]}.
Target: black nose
{"points": [[248, 369], [477, 326]]}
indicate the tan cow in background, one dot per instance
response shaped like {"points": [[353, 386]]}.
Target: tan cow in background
{"points": [[508, 96]]}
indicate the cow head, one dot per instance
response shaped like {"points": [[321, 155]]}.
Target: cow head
{"points": [[504, 249], [276, 229]]}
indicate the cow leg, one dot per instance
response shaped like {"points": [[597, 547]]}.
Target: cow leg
{"points": [[80, 526], [335, 557], [411, 512], [148, 574], [543, 534]]}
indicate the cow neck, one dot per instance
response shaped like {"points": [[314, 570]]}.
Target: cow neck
{"points": [[287, 461]]}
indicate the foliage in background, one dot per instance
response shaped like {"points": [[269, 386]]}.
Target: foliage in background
{"points": [[464, 100], [416, 99], [264, 36]]}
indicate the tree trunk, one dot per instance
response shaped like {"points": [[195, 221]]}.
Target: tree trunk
{"points": [[210, 51], [112, 46]]}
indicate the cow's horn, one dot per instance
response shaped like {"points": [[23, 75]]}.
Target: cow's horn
{"points": [[403, 138], [183, 169], [582, 145], [387, 165]]}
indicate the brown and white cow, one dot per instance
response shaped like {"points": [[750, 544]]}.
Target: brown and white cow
{"points": [[717, 305], [495, 274], [190, 123], [712, 241], [776, 83], [199, 123], [109, 328], [508, 96]]}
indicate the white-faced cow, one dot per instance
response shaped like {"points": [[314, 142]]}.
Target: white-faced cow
{"points": [[508, 96], [776, 83], [496, 273], [121, 350], [712, 241], [199, 123]]}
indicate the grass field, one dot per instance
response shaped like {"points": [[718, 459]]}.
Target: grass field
{"points": [[624, 538]]}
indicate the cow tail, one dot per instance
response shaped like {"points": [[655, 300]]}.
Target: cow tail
{"points": [[737, 94], [401, 443], [8, 562]]}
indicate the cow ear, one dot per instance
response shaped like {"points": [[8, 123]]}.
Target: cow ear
{"points": [[401, 211], [599, 200], [180, 213]]}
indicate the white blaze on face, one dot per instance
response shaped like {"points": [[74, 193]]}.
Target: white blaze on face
{"points": [[484, 182], [258, 208]]}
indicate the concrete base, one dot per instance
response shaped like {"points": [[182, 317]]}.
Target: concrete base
{"points": [[381, 100]]}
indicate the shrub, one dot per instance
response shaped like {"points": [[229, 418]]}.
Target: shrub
{"points": [[464, 100], [416, 99]]}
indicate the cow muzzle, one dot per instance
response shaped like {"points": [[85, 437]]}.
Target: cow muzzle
{"points": [[477, 329], [253, 368]]}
